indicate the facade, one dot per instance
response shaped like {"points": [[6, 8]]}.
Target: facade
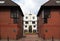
{"points": [[11, 20], [30, 23], [49, 21]]}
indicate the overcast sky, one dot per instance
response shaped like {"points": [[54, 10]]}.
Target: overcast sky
{"points": [[30, 6]]}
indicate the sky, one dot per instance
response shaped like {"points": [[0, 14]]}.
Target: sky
{"points": [[30, 6]]}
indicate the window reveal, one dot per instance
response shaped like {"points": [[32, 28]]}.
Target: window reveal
{"points": [[46, 15], [26, 17], [33, 22], [14, 15], [26, 22]]}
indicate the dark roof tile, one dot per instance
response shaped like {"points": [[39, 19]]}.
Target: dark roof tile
{"points": [[8, 3], [52, 3]]}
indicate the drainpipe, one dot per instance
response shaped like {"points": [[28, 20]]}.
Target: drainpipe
{"points": [[52, 38], [7, 38]]}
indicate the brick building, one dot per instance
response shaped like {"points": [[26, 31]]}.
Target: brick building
{"points": [[11, 20], [49, 20]]}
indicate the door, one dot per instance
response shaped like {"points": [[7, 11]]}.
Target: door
{"points": [[30, 29]]}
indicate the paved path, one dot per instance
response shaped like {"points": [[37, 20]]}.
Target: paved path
{"points": [[30, 38], [27, 38]]}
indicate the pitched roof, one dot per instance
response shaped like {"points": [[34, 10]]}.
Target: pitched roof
{"points": [[52, 3], [49, 4], [7, 3]]}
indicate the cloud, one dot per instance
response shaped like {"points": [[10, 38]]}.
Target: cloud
{"points": [[30, 6]]}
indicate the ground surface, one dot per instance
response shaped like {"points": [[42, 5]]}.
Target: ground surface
{"points": [[30, 38], [27, 38]]}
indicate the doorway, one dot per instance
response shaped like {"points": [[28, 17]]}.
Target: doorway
{"points": [[30, 29]]}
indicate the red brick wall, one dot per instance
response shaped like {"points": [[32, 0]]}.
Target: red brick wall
{"points": [[20, 25], [7, 27], [39, 25], [52, 27]]}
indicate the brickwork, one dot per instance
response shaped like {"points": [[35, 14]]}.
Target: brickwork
{"points": [[7, 28], [52, 28]]}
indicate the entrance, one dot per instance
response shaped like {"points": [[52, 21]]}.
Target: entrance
{"points": [[30, 29]]}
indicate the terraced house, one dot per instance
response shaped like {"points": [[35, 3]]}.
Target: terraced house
{"points": [[11, 20], [49, 20]]}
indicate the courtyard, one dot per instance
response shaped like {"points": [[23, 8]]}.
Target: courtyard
{"points": [[33, 37]]}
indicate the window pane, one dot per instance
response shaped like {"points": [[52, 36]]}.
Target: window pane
{"points": [[26, 17], [33, 22], [14, 13], [34, 31], [25, 26], [34, 26], [33, 17], [26, 22], [25, 31], [46, 13]]}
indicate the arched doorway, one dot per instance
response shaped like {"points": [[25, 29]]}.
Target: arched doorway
{"points": [[30, 29]]}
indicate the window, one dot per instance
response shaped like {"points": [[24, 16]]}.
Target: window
{"points": [[14, 15], [46, 15], [34, 31], [34, 26], [25, 31], [26, 17], [26, 22], [25, 26], [33, 22], [33, 17], [30, 14], [45, 20]]}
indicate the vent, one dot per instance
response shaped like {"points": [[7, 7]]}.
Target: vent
{"points": [[1, 2]]}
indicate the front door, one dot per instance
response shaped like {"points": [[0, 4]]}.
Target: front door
{"points": [[30, 29]]}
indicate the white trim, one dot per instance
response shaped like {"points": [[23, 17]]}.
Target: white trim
{"points": [[2, 2], [43, 14], [57, 1]]}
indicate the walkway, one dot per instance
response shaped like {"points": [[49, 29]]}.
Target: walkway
{"points": [[27, 38], [30, 38]]}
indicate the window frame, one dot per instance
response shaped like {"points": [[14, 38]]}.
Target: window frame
{"points": [[33, 17], [33, 22], [46, 15], [26, 22], [26, 17], [14, 15], [25, 26]]}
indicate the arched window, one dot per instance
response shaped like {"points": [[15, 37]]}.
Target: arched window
{"points": [[33, 17], [25, 26], [26, 17]]}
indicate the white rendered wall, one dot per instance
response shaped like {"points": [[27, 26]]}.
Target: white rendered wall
{"points": [[30, 19]]}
